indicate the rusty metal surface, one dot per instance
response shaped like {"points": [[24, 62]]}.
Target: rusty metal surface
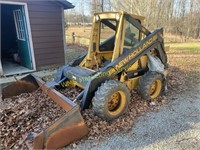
{"points": [[68, 128], [25, 85]]}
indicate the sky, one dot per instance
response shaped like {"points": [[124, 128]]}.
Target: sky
{"points": [[74, 2], [77, 5]]}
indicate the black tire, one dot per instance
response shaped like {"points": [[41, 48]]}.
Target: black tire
{"points": [[111, 100], [146, 82]]}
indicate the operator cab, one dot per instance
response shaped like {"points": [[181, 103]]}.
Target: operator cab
{"points": [[112, 35]]}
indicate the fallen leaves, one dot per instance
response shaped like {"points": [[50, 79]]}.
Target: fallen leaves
{"points": [[26, 115]]}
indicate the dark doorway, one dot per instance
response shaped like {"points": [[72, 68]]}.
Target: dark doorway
{"points": [[15, 51]]}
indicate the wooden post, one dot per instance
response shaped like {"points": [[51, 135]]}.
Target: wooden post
{"points": [[73, 38]]}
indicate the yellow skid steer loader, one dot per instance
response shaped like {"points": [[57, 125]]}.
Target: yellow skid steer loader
{"points": [[123, 55]]}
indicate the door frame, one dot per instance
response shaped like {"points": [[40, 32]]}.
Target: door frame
{"points": [[1, 68], [30, 40]]}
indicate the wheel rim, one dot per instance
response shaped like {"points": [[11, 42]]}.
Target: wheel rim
{"points": [[155, 89], [116, 102]]}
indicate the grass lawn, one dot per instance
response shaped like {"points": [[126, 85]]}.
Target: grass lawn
{"points": [[193, 47], [178, 48]]}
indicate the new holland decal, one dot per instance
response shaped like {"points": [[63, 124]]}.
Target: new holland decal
{"points": [[135, 52]]}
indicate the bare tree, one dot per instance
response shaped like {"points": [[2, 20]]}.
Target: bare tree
{"points": [[181, 17]]}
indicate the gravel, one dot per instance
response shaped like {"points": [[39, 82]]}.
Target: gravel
{"points": [[176, 126]]}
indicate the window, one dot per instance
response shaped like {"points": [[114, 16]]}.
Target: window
{"points": [[107, 35], [132, 35], [19, 24]]}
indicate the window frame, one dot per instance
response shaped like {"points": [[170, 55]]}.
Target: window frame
{"points": [[111, 28], [138, 35], [19, 24]]}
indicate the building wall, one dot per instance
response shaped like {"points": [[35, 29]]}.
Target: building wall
{"points": [[47, 31]]}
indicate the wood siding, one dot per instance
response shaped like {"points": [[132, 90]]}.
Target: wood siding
{"points": [[47, 31]]}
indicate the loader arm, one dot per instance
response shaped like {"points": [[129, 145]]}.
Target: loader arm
{"points": [[160, 47]]}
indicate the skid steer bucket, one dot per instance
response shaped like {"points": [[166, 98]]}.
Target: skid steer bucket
{"points": [[68, 128], [25, 85]]}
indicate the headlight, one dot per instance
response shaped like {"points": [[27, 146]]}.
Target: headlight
{"points": [[117, 16]]}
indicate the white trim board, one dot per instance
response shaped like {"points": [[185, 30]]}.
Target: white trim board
{"points": [[64, 35], [1, 69], [30, 40]]}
